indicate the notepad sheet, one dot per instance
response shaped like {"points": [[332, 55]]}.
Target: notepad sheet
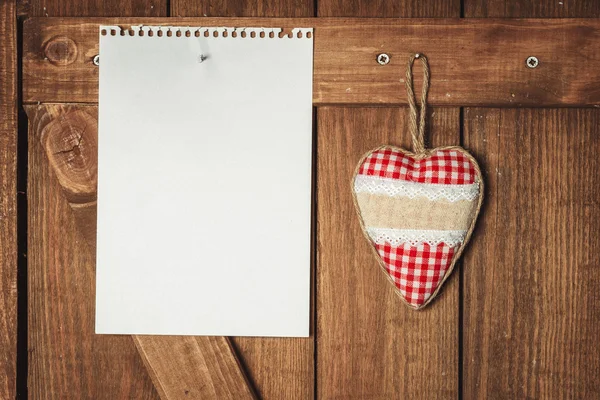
{"points": [[204, 181]]}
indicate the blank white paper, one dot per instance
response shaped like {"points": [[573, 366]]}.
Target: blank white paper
{"points": [[204, 183]]}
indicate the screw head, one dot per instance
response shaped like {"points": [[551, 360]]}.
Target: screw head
{"points": [[96, 60], [383, 59], [532, 62]]}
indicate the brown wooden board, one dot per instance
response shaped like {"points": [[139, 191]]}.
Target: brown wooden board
{"points": [[191, 367], [544, 300], [95, 8], [280, 368], [67, 360], [242, 8], [532, 8], [474, 61], [369, 344], [389, 8], [202, 366], [71, 150], [8, 199], [532, 280]]}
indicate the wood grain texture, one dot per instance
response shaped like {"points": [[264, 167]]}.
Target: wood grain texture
{"points": [[369, 344], [279, 368], [474, 61], [70, 141], [204, 367], [8, 199], [532, 8], [532, 277], [389, 9], [66, 359], [531, 282], [95, 8], [190, 367], [242, 8]]}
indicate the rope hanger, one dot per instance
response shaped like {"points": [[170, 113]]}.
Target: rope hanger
{"points": [[417, 132]]}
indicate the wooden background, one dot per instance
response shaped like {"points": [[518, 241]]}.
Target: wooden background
{"points": [[519, 319]]}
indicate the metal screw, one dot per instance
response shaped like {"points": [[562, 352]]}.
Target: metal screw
{"points": [[383, 59], [96, 60], [532, 62]]}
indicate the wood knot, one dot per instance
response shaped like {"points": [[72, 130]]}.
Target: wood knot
{"points": [[71, 144], [60, 50]]}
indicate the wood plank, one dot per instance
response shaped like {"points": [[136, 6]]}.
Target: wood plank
{"points": [[8, 200], [475, 62], [205, 369], [96, 8], [532, 277], [369, 344], [245, 8], [538, 343], [280, 368], [67, 360], [68, 137], [532, 8], [71, 148], [389, 9]]}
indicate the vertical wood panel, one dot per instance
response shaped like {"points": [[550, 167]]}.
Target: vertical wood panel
{"points": [[532, 277], [280, 368], [369, 344], [67, 360], [532, 8], [179, 366], [8, 199]]}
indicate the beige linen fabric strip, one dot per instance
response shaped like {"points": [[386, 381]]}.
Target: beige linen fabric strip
{"points": [[418, 213]]}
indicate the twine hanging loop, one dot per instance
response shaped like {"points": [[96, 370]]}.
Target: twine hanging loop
{"points": [[417, 131]]}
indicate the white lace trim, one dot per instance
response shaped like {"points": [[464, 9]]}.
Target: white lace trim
{"points": [[396, 187], [415, 237]]}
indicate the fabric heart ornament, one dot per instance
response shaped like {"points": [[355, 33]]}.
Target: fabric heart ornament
{"points": [[417, 209]]}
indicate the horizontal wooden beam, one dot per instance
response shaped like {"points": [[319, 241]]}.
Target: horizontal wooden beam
{"points": [[474, 62]]}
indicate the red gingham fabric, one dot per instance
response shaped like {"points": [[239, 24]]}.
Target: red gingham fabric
{"points": [[416, 270], [444, 167]]}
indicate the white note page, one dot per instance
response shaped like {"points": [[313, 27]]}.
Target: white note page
{"points": [[204, 183]]}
